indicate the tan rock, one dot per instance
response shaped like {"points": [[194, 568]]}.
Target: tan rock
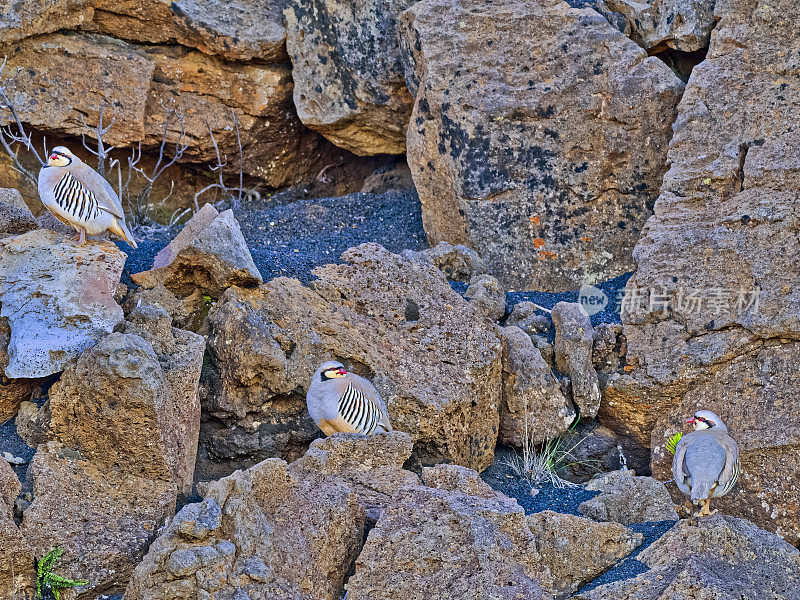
{"points": [[19, 20], [443, 543], [718, 557], [103, 520], [265, 532], [534, 408], [9, 489], [58, 298], [660, 24], [709, 317], [573, 352], [348, 74], [628, 499], [17, 575], [209, 254], [575, 550], [15, 217], [488, 296], [438, 369], [124, 409], [13, 392], [458, 262], [538, 129]]}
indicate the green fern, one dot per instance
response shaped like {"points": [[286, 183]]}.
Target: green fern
{"points": [[672, 443], [48, 582]]}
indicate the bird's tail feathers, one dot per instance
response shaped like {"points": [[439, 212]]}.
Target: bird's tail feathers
{"points": [[119, 229], [700, 491]]}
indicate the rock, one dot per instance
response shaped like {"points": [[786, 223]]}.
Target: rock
{"points": [[266, 532], [392, 319], [549, 172], [608, 351], [348, 74], [576, 550], [15, 216], [445, 543], [22, 19], [598, 449], [13, 392], [573, 350], [33, 423], [17, 576], [126, 408], [455, 478], [208, 254], [534, 409], [371, 466], [58, 298], [104, 520], [660, 24], [709, 314], [487, 296], [528, 317], [628, 499], [388, 178], [458, 262], [9, 489], [717, 557]]}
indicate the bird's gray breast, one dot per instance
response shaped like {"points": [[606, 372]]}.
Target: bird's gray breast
{"points": [[704, 460]]}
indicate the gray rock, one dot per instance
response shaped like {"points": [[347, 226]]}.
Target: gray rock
{"points": [[530, 319], [660, 24], [484, 292], [573, 351], [209, 254], [15, 216], [458, 262], [348, 74], [719, 557], [628, 499], [534, 408], [182, 563], [196, 521], [535, 168], [58, 298]]}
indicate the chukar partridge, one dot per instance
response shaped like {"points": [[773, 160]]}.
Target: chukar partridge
{"points": [[343, 402], [706, 462], [79, 197]]}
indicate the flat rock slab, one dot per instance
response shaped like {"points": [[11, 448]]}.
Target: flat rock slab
{"points": [[58, 298]]}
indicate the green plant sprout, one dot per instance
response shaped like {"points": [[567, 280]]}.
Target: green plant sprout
{"points": [[672, 443], [48, 582]]}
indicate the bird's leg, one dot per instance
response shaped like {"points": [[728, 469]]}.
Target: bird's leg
{"points": [[82, 237], [704, 510], [687, 507]]}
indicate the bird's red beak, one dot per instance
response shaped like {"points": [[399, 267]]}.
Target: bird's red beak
{"points": [[342, 372], [53, 156], [692, 420]]}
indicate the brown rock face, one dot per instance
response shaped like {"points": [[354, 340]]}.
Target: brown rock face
{"points": [[389, 318], [103, 520], [121, 409], [208, 255], [711, 313], [534, 407], [538, 137], [718, 557], [58, 298], [21, 19], [348, 74], [462, 540], [266, 532], [16, 557]]}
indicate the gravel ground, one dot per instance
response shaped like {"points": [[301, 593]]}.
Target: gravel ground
{"points": [[10, 442], [502, 477]]}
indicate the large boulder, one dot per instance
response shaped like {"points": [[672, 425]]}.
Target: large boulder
{"points": [[460, 539], [534, 408], [658, 25], [719, 558], [58, 298], [387, 317], [627, 499], [131, 410], [102, 519], [266, 532], [209, 254], [348, 73], [16, 557], [711, 314], [538, 136]]}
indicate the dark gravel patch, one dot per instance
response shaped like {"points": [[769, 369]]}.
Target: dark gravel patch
{"points": [[502, 477]]}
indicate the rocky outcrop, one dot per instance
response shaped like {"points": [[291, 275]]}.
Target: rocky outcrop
{"points": [[15, 217], [718, 557], [266, 532], [460, 540], [129, 409], [58, 298], [102, 519], [348, 74], [576, 550], [657, 25], [710, 315], [208, 256], [573, 353], [534, 408], [538, 136], [627, 499], [486, 294], [387, 317]]}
